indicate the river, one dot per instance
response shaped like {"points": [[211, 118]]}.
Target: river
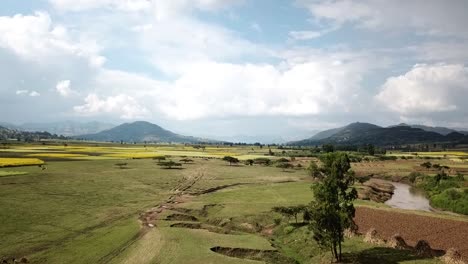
{"points": [[405, 198]]}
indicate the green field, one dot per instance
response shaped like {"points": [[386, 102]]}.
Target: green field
{"points": [[82, 208]]}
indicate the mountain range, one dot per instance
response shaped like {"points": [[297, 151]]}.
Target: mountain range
{"points": [[141, 131], [8, 133], [65, 128], [365, 133]]}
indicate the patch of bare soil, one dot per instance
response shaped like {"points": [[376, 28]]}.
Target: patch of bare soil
{"points": [[376, 190], [439, 233], [181, 217]]}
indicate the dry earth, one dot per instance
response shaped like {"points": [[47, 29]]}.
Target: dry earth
{"points": [[439, 232]]}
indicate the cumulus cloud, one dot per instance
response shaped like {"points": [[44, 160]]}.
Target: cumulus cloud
{"points": [[20, 92], [427, 89], [123, 105], [35, 38], [64, 88], [34, 94], [431, 17], [27, 92]]}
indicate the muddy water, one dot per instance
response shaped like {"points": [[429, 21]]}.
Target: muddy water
{"points": [[405, 198]]}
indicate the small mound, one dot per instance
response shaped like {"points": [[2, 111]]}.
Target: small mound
{"points": [[372, 237], [398, 242], [453, 256], [181, 217], [13, 260], [423, 248]]}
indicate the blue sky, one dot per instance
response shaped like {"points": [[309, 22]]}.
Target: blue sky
{"points": [[235, 68]]}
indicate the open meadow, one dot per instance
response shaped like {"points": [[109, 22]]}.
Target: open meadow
{"points": [[110, 203]]}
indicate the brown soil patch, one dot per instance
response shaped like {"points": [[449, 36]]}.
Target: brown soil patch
{"points": [[269, 256], [181, 217], [438, 232]]}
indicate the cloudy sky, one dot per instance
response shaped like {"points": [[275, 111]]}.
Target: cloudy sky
{"points": [[270, 68]]}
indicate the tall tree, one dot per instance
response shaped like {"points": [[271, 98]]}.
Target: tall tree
{"points": [[332, 209]]}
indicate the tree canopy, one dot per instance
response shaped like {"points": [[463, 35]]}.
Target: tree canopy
{"points": [[332, 209]]}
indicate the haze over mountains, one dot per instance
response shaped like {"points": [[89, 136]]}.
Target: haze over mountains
{"points": [[65, 128], [365, 133], [142, 131]]}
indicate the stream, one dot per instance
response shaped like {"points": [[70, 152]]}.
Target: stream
{"points": [[405, 198]]}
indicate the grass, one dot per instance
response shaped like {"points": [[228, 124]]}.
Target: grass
{"points": [[11, 173], [84, 209]]}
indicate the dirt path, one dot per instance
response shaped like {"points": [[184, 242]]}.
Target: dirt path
{"points": [[149, 243], [439, 232]]}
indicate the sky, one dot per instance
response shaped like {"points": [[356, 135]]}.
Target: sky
{"points": [[234, 69]]}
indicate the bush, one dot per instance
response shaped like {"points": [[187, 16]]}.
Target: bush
{"points": [[277, 221], [452, 199], [288, 229]]}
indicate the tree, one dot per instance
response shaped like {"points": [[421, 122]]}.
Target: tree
{"points": [[314, 170], [282, 160], [186, 160], [262, 161], [159, 158], [327, 148], [284, 165], [371, 149], [332, 210], [122, 165], [289, 211], [249, 162], [231, 160], [169, 164]]}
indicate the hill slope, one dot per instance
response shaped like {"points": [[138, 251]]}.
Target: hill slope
{"points": [[8, 133], [139, 131], [364, 133]]}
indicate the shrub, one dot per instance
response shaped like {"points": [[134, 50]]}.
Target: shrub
{"points": [[288, 229]]}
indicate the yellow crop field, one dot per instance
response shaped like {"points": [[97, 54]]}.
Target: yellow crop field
{"points": [[57, 155], [133, 155], [15, 162]]}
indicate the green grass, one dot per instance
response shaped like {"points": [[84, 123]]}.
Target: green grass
{"points": [[11, 173], [86, 211], [71, 203]]}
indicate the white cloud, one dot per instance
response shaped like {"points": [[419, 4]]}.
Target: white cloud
{"points": [[175, 44], [27, 92], [305, 35], [123, 105], [431, 17], [34, 94], [64, 88], [81, 5], [35, 38], [427, 89], [20, 92]]}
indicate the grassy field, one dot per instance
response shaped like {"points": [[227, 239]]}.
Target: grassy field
{"points": [[83, 208]]}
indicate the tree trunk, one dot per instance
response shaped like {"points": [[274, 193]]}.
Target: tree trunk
{"points": [[335, 252], [339, 255]]}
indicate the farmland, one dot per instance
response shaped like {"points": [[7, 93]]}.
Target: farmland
{"points": [[81, 207]]}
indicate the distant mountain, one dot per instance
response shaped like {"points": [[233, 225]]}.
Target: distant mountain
{"points": [[441, 130], [140, 131], [365, 133], [67, 128], [326, 133], [8, 133]]}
